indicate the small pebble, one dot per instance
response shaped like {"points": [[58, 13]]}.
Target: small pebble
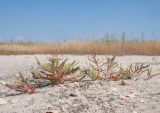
{"points": [[122, 97], [131, 95], [142, 101], [124, 82]]}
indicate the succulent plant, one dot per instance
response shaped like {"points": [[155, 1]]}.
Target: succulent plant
{"points": [[131, 71], [100, 69], [22, 86], [57, 71], [109, 69]]}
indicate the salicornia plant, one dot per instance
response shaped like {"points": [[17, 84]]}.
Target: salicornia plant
{"points": [[22, 86], [57, 71], [110, 69]]}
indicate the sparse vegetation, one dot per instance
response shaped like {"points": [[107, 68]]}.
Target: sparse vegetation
{"points": [[22, 85], [100, 69], [131, 71], [58, 71], [110, 69]]}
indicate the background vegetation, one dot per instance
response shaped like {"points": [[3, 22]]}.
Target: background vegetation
{"points": [[108, 45]]}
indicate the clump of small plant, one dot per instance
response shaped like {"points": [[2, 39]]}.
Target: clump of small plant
{"points": [[22, 86], [100, 69], [110, 69], [131, 71], [57, 71]]}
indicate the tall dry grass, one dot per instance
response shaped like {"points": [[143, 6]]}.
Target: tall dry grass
{"points": [[98, 47]]}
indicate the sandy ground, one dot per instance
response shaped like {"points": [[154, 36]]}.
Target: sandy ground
{"points": [[140, 96]]}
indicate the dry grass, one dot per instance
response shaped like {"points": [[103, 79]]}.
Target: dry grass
{"points": [[98, 47]]}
